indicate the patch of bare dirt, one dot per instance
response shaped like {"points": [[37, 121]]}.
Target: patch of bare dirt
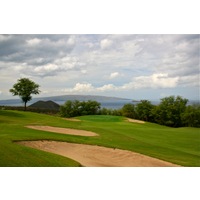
{"points": [[135, 121], [96, 156], [63, 130]]}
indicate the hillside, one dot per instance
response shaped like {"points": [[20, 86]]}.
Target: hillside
{"points": [[48, 105]]}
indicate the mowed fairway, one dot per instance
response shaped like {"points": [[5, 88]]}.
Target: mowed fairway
{"points": [[180, 146]]}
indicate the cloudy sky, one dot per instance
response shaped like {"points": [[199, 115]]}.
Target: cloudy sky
{"points": [[131, 66]]}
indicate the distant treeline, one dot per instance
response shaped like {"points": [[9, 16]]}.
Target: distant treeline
{"points": [[172, 111]]}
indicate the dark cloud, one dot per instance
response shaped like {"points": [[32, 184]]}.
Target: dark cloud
{"points": [[35, 49]]}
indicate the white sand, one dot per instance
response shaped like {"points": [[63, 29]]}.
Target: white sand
{"points": [[68, 131], [96, 156], [135, 121]]}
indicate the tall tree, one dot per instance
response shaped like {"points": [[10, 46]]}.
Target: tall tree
{"points": [[170, 110], [89, 107], [128, 110], [144, 110], [24, 88], [191, 116]]}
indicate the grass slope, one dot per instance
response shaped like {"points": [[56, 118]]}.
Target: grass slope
{"points": [[176, 145]]}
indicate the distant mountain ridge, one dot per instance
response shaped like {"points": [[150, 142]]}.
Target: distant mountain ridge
{"points": [[84, 98], [63, 98]]}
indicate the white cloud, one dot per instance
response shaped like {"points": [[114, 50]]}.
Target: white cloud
{"points": [[114, 75], [60, 65], [190, 81], [88, 87], [68, 62], [71, 41], [83, 71], [80, 87], [85, 87], [4, 37], [46, 69], [108, 87], [34, 41], [153, 81], [156, 81], [105, 43]]}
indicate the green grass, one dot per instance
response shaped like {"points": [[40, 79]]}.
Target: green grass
{"points": [[177, 145]]}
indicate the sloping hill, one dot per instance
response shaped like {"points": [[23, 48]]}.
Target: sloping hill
{"points": [[48, 105]]}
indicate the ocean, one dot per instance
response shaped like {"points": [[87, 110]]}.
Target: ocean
{"points": [[112, 104], [107, 104]]}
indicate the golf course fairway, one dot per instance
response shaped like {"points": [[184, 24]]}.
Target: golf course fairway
{"points": [[172, 146]]}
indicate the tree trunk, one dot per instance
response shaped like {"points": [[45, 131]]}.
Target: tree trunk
{"points": [[25, 105]]}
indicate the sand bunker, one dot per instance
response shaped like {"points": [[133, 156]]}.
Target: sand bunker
{"points": [[96, 156], [63, 130], [135, 121], [72, 119]]}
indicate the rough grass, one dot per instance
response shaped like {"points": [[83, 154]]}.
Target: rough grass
{"points": [[177, 145]]}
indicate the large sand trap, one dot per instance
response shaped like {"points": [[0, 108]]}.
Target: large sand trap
{"points": [[135, 121], [63, 130], [96, 156]]}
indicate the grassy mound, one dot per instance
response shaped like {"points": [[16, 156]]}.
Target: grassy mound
{"points": [[48, 105]]}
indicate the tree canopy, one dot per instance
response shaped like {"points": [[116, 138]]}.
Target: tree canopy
{"points": [[170, 110], [78, 108], [144, 110], [24, 88], [128, 110]]}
